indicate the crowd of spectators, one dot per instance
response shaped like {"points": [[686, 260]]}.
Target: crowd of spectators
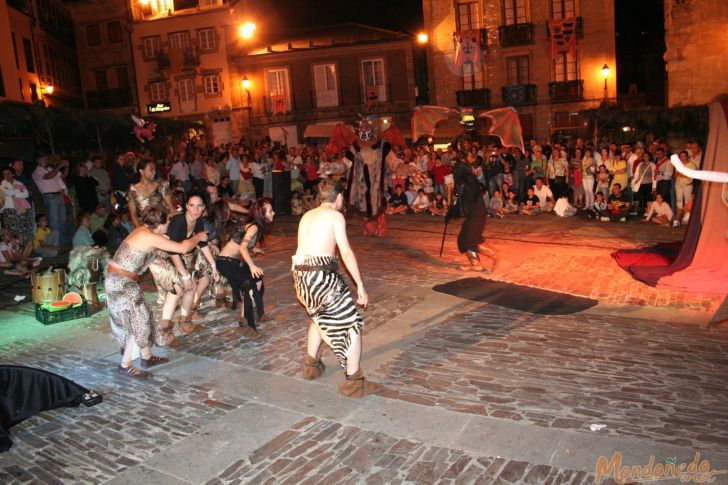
{"points": [[54, 206]]}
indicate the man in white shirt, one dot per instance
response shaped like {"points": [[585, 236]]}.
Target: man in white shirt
{"points": [[544, 194], [180, 172], [233, 167], [48, 177]]}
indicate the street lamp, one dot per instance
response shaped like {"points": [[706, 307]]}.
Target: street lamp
{"points": [[422, 38], [605, 75], [48, 89], [246, 86], [247, 30]]}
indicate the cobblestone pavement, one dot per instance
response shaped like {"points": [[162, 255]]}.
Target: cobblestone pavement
{"points": [[230, 410], [327, 452]]}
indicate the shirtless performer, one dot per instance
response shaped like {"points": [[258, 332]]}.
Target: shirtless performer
{"points": [[322, 290]]}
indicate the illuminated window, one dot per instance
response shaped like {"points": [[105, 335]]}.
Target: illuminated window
{"points": [[158, 92], [473, 76], [179, 40], [212, 84], [206, 39], [151, 47], [514, 12], [564, 67], [373, 75], [518, 68], [562, 9], [277, 84], [324, 76], [467, 16], [186, 90]]}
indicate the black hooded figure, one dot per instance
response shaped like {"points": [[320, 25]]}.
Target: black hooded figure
{"points": [[471, 205]]}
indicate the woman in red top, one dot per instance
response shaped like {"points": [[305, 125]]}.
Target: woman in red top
{"points": [[439, 171]]}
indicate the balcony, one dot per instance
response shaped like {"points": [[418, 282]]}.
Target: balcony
{"points": [[163, 61], [579, 28], [473, 98], [564, 91], [109, 98], [515, 34], [522, 95]]}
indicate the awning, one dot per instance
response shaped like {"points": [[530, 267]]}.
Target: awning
{"points": [[320, 130]]}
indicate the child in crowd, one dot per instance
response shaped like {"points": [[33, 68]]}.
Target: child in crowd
{"points": [[562, 208], [603, 181], [17, 263], [421, 202], [82, 237], [660, 212], [531, 206], [511, 204], [307, 202], [439, 205], [600, 207], [296, 204], [45, 241], [411, 193], [495, 205], [397, 202]]}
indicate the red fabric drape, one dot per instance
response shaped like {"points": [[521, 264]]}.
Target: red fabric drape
{"points": [[702, 264]]}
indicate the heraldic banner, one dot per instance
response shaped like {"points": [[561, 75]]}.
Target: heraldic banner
{"points": [[563, 36]]}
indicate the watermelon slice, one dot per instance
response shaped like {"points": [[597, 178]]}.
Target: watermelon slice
{"points": [[73, 298], [55, 306]]}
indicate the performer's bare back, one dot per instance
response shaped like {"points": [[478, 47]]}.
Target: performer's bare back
{"points": [[319, 232]]}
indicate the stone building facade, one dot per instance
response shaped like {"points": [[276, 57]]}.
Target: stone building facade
{"points": [[516, 67], [696, 38], [104, 54]]}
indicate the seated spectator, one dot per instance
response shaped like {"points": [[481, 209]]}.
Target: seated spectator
{"points": [[495, 205], [421, 202], [115, 233], [411, 193], [600, 207], [46, 242], [397, 202], [439, 205], [97, 219], [660, 212], [307, 202], [296, 204], [16, 262], [562, 208], [486, 195], [531, 206], [511, 204], [544, 194], [82, 237], [618, 205]]}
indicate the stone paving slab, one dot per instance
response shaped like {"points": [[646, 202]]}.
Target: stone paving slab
{"points": [[137, 419], [320, 451], [641, 379]]}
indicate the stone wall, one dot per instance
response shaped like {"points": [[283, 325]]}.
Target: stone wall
{"points": [[696, 37], [594, 49]]}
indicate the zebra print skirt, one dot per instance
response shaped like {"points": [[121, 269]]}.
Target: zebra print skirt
{"points": [[328, 301]]}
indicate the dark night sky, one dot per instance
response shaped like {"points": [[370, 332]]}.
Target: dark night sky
{"points": [[405, 15]]}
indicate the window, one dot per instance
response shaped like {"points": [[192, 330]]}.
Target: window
{"points": [[93, 35], [473, 76], [122, 77], [158, 92], [373, 75], [562, 9], [277, 84], [565, 67], [113, 30], [206, 39], [151, 47], [29, 63], [324, 77], [15, 51], [517, 70], [467, 16], [102, 83], [212, 84], [514, 12], [33, 92], [2, 84], [186, 90], [179, 40]]}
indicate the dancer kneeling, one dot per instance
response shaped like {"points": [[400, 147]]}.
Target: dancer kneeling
{"points": [[130, 317], [237, 266], [322, 290]]}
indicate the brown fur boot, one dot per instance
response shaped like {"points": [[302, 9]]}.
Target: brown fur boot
{"points": [[357, 386], [166, 328], [195, 312], [312, 368], [186, 326]]}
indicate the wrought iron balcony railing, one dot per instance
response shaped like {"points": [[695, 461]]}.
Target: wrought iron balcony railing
{"points": [[521, 95], [516, 34], [566, 90]]}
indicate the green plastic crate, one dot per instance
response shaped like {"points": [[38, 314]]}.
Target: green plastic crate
{"points": [[47, 317]]}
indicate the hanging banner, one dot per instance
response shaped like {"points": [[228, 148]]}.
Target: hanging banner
{"points": [[372, 93], [467, 47], [279, 104], [563, 36]]}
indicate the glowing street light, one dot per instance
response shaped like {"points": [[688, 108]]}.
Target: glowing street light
{"points": [[605, 75], [246, 83], [422, 38], [144, 2], [247, 30], [49, 89]]}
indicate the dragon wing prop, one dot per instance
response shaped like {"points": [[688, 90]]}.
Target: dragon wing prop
{"points": [[720, 177], [393, 136], [341, 137], [426, 118], [506, 126]]}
